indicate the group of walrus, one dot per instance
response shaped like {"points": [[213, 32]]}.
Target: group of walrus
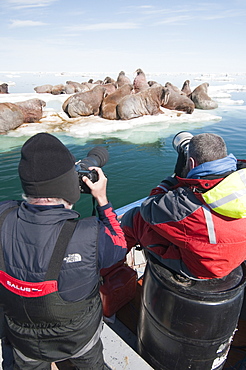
{"points": [[110, 99], [121, 99]]}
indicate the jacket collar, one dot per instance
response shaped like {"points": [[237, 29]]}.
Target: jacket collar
{"points": [[47, 216], [198, 184], [217, 167]]}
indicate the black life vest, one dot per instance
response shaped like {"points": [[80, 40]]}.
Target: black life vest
{"points": [[39, 323]]}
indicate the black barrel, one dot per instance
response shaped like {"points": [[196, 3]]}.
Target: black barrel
{"points": [[188, 324]]}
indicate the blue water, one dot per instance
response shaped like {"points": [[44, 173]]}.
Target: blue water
{"points": [[133, 169]]}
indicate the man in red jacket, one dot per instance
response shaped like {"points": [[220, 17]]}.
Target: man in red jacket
{"points": [[194, 222]]}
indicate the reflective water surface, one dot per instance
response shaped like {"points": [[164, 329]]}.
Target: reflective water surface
{"points": [[140, 152]]}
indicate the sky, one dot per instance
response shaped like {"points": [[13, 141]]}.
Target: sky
{"points": [[158, 36]]}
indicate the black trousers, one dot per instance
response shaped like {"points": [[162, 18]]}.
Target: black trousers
{"points": [[91, 360]]}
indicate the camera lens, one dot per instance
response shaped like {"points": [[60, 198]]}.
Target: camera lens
{"points": [[98, 156], [181, 139]]}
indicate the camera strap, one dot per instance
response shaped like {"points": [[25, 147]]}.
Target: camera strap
{"points": [[93, 206], [3, 215]]}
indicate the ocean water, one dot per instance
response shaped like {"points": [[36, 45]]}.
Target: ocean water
{"points": [[140, 150]]}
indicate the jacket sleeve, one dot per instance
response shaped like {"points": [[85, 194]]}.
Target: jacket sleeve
{"points": [[167, 184], [111, 243]]}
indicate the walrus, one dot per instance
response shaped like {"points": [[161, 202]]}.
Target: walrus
{"points": [[122, 79], [186, 88], [173, 87], [97, 82], [108, 108], [109, 88], [58, 89], [152, 83], [143, 103], [140, 82], [4, 88], [178, 100], [85, 103], [13, 115], [43, 89], [90, 85], [109, 80], [201, 99], [32, 109], [72, 87]]}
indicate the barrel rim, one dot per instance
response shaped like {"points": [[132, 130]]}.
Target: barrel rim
{"points": [[201, 288]]}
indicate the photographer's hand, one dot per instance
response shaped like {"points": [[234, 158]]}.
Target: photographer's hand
{"points": [[98, 188]]}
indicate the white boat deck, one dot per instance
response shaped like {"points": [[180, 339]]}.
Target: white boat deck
{"points": [[119, 342], [118, 354]]}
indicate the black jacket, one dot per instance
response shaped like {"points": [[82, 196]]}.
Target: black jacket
{"points": [[57, 325]]}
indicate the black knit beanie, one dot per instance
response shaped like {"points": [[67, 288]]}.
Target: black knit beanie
{"points": [[47, 169]]}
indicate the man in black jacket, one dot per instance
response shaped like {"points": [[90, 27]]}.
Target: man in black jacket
{"points": [[50, 261]]}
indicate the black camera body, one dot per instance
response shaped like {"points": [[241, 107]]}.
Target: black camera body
{"points": [[92, 175], [97, 157]]}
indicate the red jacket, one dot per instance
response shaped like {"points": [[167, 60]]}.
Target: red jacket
{"points": [[186, 234]]}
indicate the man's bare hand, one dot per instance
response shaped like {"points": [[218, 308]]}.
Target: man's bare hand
{"points": [[98, 188]]}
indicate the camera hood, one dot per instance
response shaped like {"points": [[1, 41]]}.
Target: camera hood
{"points": [[98, 157], [181, 139]]}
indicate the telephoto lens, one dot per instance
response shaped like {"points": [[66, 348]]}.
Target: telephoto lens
{"points": [[181, 141], [98, 156]]}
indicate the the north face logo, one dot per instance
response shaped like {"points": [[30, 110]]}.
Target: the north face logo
{"points": [[75, 257]]}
